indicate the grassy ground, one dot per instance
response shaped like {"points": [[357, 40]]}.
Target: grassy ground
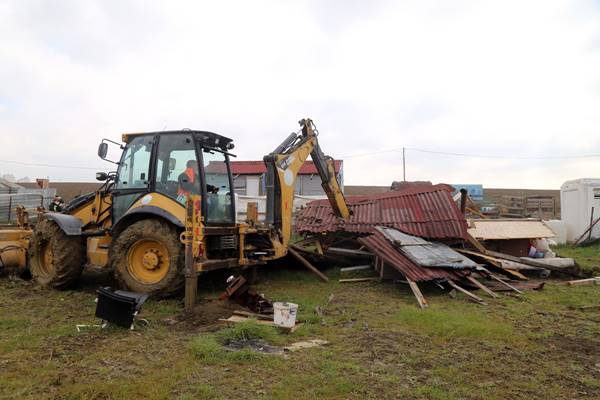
{"points": [[536, 346], [587, 257]]}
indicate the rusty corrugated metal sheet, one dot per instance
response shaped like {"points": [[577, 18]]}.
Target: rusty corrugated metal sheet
{"points": [[424, 211], [382, 248]]}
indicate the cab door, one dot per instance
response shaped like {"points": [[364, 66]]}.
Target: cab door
{"points": [[134, 175]]}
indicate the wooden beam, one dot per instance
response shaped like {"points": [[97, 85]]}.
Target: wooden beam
{"points": [[472, 296], [589, 281], [318, 247], [307, 264], [355, 268], [417, 292], [482, 287], [374, 278], [494, 277]]}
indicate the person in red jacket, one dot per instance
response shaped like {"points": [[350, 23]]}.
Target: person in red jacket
{"points": [[188, 181]]}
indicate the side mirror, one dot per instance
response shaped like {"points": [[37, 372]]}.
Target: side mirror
{"points": [[102, 151], [101, 176], [172, 164]]}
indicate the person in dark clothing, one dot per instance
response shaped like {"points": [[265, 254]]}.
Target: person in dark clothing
{"points": [[57, 204], [188, 181]]}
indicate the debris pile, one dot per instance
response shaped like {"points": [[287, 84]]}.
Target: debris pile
{"points": [[413, 235]]}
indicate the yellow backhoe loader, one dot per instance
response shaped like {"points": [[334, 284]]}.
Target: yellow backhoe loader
{"points": [[137, 222]]}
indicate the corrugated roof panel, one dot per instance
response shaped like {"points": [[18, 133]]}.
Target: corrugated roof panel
{"points": [[383, 249], [425, 211]]}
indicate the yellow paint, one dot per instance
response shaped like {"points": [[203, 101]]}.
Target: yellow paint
{"points": [[163, 202], [97, 250], [148, 261], [97, 211]]}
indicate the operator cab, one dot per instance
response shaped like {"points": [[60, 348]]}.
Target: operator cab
{"points": [[175, 164]]}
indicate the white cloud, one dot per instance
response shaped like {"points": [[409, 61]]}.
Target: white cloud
{"points": [[520, 78]]}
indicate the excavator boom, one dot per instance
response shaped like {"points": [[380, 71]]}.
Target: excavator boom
{"points": [[283, 165]]}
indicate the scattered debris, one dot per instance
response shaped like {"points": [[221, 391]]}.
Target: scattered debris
{"points": [[239, 290], [259, 345], [306, 344], [356, 268], [588, 281], [238, 318], [367, 279]]}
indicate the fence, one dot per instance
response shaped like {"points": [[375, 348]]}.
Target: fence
{"points": [[29, 199]]}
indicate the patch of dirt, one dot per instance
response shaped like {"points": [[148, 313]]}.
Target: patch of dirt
{"points": [[205, 315]]}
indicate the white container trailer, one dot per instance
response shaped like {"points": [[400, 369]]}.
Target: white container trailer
{"points": [[577, 197]]}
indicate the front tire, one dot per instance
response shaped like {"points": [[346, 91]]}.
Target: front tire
{"points": [[148, 257], [55, 259]]}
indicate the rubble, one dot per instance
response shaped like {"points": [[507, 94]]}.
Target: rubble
{"points": [[417, 234]]}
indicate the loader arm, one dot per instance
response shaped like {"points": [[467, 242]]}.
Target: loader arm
{"points": [[283, 165]]}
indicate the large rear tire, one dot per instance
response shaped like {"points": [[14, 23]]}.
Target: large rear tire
{"points": [[148, 257], [55, 259]]}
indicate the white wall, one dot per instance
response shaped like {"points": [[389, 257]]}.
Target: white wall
{"points": [[252, 185], [577, 197]]}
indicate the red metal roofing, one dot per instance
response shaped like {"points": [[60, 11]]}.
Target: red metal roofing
{"points": [[383, 249], [424, 211], [259, 168]]}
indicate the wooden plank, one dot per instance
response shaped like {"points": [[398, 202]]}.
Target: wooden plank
{"points": [[355, 268], [247, 314], [508, 285], [318, 247], [576, 242], [307, 264], [538, 264], [374, 278], [475, 243], [237, 319], [482, 286], [417, 292], [472, 296], [589, 281], [349, 252]]}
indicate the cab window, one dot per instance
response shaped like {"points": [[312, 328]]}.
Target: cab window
{"points": [[135, 164], [218, 190], [177, 167]]}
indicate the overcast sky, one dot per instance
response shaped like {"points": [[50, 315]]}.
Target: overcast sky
{"points": [[492, 78]]}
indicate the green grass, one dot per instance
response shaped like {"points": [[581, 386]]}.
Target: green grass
{"points": [[448, 323], [381, 345], [587, 257]]}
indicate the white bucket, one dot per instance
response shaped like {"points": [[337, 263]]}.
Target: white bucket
{"points": [[284, 314]]}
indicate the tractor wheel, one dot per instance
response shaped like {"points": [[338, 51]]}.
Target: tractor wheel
{"points": [[149, 258], [55, 259]]}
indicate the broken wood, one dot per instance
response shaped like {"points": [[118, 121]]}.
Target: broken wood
{"points": [[589, 281], [237, 319], [482, 286], [589, 229], [307, 264], [375, 278], [247, 314], [508, 285], [590, 307], [530, 262], [318, 247], [349, 252], [356, 268], [417, 292], [472, 296]]}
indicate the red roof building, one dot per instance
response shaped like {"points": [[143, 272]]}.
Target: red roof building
{"points": [[248, 178]]}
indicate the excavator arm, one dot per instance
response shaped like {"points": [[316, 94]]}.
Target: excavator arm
{"points": [[283, 165]]}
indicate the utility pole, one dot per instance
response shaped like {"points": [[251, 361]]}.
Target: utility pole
{"points": [[404, 164]]}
